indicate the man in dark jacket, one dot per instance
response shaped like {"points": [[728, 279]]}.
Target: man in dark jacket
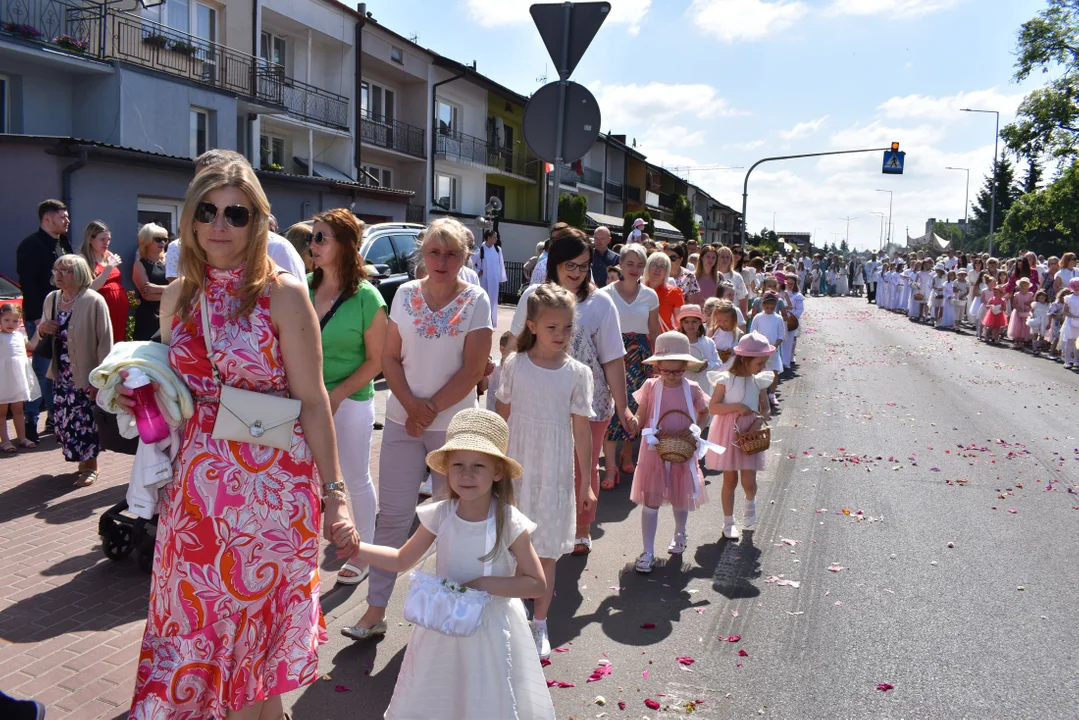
{"points": [[34, 260]]}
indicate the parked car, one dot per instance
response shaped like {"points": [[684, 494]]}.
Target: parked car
{"points": [[388, 249], [10, 292]]}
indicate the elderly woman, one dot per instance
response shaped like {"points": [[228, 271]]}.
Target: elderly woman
{"points": [[148, 276], [656, 272], [299, 235], [681, 276], [437, 343], [725, 270], [638, 318], [353, 318], [77, 318], [597, 342], [107, 281], [234, 619]]}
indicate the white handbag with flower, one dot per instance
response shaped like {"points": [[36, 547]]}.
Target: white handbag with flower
{"points": [[440, 604]]}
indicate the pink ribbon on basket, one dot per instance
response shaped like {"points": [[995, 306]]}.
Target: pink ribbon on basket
{"points": [[648, 434]]}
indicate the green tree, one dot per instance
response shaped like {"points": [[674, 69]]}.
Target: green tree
{"points": [[682, 218], [1045, 221], [573, 210], [843, 247], [1033, 177], [949, 232], [1047, 120], [1006, 195], [766, 241], [649, 223]]}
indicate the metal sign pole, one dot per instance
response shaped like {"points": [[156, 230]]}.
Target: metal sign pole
{"points": [[563, 75]]}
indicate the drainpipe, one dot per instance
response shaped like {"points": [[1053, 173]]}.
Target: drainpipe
{"points": [[65, 182], [357, 93], [606, 146], [253, 140], [434, 126]]}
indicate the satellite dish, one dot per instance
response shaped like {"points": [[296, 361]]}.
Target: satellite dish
{"points": [[494, 205]]}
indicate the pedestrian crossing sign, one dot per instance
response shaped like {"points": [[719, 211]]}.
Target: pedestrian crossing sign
{"points": [[893, 162]]}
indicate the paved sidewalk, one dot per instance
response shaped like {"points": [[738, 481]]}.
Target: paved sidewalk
{"points": [[71, 620]]}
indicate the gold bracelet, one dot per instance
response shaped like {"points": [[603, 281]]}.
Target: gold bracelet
{"points": [[335, 495]]}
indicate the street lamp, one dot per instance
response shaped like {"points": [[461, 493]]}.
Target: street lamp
{"points": [[966, 200], [847, 238], [993, 207], [880, 242], [889, 214]]}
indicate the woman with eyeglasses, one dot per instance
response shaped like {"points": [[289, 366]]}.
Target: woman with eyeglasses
{"points": [[352, 315], [234, 618], [148, 276], [437, 344], [597, 342]]}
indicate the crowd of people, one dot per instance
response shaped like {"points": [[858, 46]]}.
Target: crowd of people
{"points": [[675, 349]]}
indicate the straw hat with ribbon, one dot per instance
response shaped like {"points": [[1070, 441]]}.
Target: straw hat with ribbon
{"points": [[479, 430], [673, 345]]}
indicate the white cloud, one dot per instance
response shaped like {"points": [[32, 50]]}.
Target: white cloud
{"points": [[803, 129], [946, 109], [633, 106], [747, 145], [895, 9], [500, 13], [734, 20]]}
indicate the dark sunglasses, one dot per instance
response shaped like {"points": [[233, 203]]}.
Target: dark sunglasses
{"points": [[235, 215], [318, 239]]}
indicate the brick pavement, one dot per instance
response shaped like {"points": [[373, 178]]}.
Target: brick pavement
{"points": [[71, 620]]}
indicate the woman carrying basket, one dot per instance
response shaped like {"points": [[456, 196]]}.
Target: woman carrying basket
{"points": [[670, 412], [740, 404]]}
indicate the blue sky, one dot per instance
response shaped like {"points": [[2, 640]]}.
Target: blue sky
{"points": [[701, 83]]}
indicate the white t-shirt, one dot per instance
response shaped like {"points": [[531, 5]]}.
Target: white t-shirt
{"points": [[433, 345], [633, 317], [740, 292], [278, 248], [468, 275], [539, 273], [951, 263]]}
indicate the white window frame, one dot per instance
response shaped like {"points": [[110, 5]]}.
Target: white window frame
{"points": [[160, 14], [267, 39], [455, 191], [271, 136], [5, 104], [379, 171], [163, 205], [195, 110], [384, 88], [455, 120]]}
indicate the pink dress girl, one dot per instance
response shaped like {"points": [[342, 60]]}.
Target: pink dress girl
{"points": [[1017, 327], [995, 316], [656, 482]]}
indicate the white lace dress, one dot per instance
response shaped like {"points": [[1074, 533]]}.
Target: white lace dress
{"points": [[494, 673], [541, 439], [18, 384]]}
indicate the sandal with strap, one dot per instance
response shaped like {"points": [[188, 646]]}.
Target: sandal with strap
{"points": [[582, 546], [645, 563], [678, 544], [8, 448], [610, 480], [27, 443], [85, 478]]}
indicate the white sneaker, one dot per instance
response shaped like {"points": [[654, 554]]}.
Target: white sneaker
{"points": [[543, 643], [425, 488], [730, 530], [750, 517]]}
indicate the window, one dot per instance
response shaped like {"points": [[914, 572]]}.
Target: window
{"points": [[200, 131], [205, 22], [380, 252], [447, 115], [397, 55], [272, 50], [3, 105], [446, 192], [176, 14], [378, 102], [406, 247], [375, 175], [271, 151], [165, 213]]}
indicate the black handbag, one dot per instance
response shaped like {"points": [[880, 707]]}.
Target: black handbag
{"points": [[108, 434], [46, 343]]}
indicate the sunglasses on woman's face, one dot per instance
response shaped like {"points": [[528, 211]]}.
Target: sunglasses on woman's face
{"points": [[235, 215], [319, 238], [665, 371]]}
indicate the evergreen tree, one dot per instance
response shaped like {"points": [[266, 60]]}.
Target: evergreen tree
{"points": [[843, 248], [1033, 177], [1006, 196], [649, 223], [682, 218], [573, 210]]}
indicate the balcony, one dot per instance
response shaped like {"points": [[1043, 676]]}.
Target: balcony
{"points": [[316, 105], [519, 161], [383, 132], [666, 200], [462, 148], [567, 176], [590, 177], [615, 189], [56, 24], [154, 46]]}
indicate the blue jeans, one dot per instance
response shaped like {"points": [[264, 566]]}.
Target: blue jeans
{"points": [[32, 409]]}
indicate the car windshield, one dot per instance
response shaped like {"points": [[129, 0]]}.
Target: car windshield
{"points": [[8, 289]]}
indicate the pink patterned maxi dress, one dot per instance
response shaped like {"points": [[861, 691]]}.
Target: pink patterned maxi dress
{"points": [[234, 601]]}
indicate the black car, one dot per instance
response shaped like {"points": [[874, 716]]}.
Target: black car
{"points": [[388, 248]]}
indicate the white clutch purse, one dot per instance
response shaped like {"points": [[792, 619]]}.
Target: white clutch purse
{"points": [[444, 606]]}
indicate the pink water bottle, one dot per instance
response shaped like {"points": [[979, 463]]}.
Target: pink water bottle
{"points": [[148, 417]]}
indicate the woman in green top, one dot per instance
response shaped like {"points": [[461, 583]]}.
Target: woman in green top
{"points": [[353, 317]]}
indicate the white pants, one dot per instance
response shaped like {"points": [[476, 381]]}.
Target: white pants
{"points": [[354, 424]]}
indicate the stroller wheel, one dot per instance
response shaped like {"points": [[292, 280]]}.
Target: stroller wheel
{"points": [[117, 542], [144, 553]]}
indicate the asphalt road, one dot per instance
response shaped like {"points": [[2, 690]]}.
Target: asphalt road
{"points": [[925, 438]]}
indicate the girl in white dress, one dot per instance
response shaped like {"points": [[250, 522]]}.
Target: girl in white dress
{"points": [[936, 293], [1038, 322], [495, 672], [18, 384], [547, 397], [1069, 333], [690, 321], [724, 331], [772, 327]]}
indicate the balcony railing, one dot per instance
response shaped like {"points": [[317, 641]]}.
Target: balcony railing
{"points": [[393, 135], [615, 189], [633, 193], [458, 146], [666, 200], [517, 161], [313, 104], [66, 26], [592, 178], [158, 47], [568, 176]]}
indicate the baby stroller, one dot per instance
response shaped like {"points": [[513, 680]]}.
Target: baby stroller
{"points": [[122, 533]]}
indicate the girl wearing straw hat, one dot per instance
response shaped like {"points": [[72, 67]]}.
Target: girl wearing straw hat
{"points": [[740, 404], [672, 403], [483, 543]]}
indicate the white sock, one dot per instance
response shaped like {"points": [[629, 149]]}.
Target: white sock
{"points": [[539, 623], [649, 522], [728, 521], [681, 517]]}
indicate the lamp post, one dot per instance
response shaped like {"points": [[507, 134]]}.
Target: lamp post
{"points": [[846, 238], [993, 207], [880, 242], [966, 198], [889, 214]]}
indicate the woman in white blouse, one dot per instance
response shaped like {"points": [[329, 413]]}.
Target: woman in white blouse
{"points": [[725, 271], [638, 318]]}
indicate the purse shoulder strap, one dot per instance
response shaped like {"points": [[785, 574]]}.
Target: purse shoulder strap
{"points": [[205, 313], [333, 309], [491, 533]]}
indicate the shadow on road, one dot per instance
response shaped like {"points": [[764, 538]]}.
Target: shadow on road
{"points": [[367, 695], [737, 564]]}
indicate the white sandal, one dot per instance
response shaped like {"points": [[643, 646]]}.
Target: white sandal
{"points": [[677, 547], [645, 562], [357, 578]]}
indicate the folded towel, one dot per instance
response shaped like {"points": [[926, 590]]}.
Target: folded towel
{"points": [[173, 397]]}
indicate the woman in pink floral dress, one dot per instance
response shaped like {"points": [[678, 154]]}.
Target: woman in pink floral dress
{"points": [[234, 616]]}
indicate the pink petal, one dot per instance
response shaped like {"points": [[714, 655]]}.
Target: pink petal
{"points": [[561, 650], [743, 653], [544, 662], [885, 687], [734, 638], [621, 704], [652, 704], [560, 684], [836, 568], [342, 688], [685, 660], [644, 674], [648, 626]]}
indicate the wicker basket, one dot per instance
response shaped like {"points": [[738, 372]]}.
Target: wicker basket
{"points": [[725, 355], [792, 323], [919, 297], [754, 441], [675, 446]]}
